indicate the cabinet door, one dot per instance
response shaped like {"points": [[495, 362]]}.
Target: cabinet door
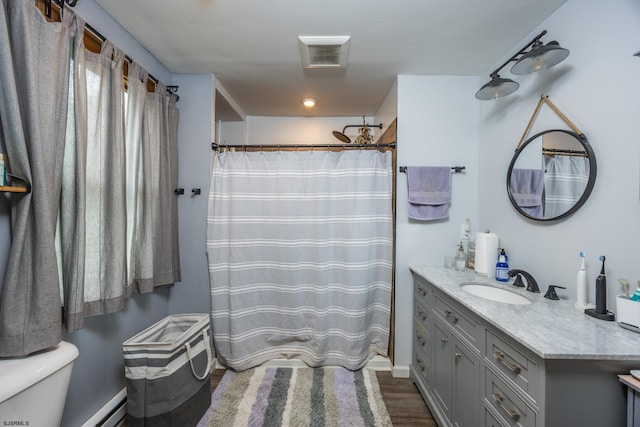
{"points": [[466, 388], [442, 365]]}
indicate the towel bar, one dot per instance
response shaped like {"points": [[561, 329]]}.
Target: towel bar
{"points": [[455, 169]]}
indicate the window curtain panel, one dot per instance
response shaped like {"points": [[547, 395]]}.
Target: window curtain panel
{"points": [[157, 261], [299, 248], [565, 180], [34, 65], [93, 242], [134, 116]]}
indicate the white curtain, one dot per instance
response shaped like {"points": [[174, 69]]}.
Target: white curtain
{"points": [[299, 247], [94, 256], [565, 180], [34, 80], [118, 219]]}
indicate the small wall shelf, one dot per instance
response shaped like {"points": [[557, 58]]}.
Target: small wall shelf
{"points": [[13, 189]]}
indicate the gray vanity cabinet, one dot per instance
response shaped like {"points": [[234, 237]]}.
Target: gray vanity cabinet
{"points": [[462, 368], [472, 368], [452, 385]]}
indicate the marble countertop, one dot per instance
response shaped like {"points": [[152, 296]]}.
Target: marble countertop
{"points": [[551, 329]]}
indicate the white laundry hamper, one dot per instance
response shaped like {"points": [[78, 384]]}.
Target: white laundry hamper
{"points": [[167, 369]]}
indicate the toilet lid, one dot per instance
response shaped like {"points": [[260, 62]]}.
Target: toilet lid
{"points": [[20, 373]]}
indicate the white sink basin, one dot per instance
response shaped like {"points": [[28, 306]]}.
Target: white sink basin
{"points": [[495, 294]]}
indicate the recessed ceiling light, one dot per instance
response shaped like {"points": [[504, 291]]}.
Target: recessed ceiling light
{"points": [[324, 52], [309, 102]]}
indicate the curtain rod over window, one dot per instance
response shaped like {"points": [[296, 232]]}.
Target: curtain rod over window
{"points": [[216, 147], [72, 3]]}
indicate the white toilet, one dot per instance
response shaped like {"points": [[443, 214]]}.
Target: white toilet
{"points": [[33, 389]]}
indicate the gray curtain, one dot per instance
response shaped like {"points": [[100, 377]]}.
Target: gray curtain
{"points": [[565, 180], [157, 259], [299, 247], [34, 70], [94, 233]]}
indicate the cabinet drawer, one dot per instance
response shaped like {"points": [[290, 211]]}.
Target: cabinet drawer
{"points": [[421, 313], [423, 292], [492, 421], [421, 365], [519, 368], [512, 408], [421, 338], [460, 320]]}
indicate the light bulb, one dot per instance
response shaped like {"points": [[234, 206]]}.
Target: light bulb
{"points": [[538, 64], [309, 102]]}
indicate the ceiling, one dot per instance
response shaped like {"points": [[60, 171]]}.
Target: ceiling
{"points": [[251, 46]]}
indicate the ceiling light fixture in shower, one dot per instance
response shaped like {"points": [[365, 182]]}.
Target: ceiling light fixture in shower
{"points": [[309, 102]]}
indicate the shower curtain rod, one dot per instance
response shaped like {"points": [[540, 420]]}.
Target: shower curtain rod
{"points": [[216, 147]]}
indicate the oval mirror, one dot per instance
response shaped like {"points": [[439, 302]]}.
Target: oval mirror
{"points": [[551, 175]]}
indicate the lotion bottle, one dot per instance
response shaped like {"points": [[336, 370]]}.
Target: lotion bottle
{"points": [[581, 285]]}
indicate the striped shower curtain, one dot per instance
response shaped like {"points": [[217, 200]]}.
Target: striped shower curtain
{"points": [[299, 248], [565, 180]]}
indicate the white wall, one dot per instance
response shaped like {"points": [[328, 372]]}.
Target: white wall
{"points": [[388, 110], [437, 126], [598, 88], [301, 130]]}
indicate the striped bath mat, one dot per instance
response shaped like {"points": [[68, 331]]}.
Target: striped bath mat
{"points": [[297, 397]]}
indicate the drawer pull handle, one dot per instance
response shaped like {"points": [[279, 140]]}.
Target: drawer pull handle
{"points": [[422, 341], [422, 315], [422, 291], [458, 355], [444, 339], [512, 366], [512, 412], [447, 313], [419, 362]]}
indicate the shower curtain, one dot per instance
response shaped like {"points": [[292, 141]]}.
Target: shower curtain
{"points": [[565, 180], [299, 247]]}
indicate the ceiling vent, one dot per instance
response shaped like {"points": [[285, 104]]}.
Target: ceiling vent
{"points": [[324, 52]]}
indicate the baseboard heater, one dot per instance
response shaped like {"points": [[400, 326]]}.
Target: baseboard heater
{"points": [[112, 414]]}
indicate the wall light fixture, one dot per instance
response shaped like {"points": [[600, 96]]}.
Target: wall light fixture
{"points": [[539, 58]]}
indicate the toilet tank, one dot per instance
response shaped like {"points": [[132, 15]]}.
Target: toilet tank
{"points": [[33, 389]]}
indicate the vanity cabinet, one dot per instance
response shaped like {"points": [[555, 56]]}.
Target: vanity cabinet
{"points": [[472, 367], [465, 371], [449, 368]]}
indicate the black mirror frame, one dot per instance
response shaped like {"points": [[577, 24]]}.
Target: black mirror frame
{"points": [[593, 171]]}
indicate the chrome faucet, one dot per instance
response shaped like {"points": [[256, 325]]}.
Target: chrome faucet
{"points": [[532, 285]]}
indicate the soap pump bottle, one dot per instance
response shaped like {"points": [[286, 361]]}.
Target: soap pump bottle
{"points": [[600, 312], [461, 258], [502, 267]]}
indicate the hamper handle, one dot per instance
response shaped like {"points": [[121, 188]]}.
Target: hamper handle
{"points": [[205, 340]]}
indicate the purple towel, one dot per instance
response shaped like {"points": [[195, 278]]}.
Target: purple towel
{"points": [[527, 186], [429, 192]]}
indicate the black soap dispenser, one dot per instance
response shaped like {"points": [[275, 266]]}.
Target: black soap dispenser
{"points": [[601, 312]]}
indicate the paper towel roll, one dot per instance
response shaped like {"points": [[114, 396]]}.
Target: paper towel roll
{"points": [[486, 253]]}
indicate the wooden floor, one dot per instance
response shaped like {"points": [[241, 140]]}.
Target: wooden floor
{"points": [[404, 403]]}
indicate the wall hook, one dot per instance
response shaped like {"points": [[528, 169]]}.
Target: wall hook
{"points": [[196, 191], [179, 191]]}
